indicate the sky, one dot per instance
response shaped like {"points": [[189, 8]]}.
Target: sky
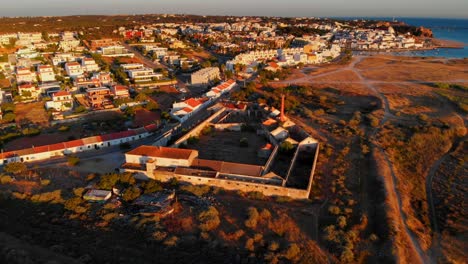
{"points": [[298, 8]]}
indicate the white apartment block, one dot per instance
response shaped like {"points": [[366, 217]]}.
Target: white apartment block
{"points": [[5, 38], [61, 101], [28, 38], [46, 73], [204, 76], [73, 69], [143, 74], [69, 45], [89, 65], [24, 75], [62, 57]]}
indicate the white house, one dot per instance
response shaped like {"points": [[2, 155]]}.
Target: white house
{"points": [[61, 101], [73, 69], [280, 134], [24, 75], [46, 73], [89, 65]]}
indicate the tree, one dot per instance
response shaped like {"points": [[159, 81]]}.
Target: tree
{"points": [[252, 221], [15, 167], [286, 147], [73, 160], [9, 117], [292, 252], [209, 219], [131, 193], [152, 106]]}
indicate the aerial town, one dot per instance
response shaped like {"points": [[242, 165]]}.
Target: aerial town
{"points": [[256, 139]]}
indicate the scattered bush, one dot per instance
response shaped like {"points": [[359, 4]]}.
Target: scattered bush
{"points": [[273, 246], [79, 109], [193, 140], [335, 210], [252, 221], [292, 252], [209, 219], [73, 160], [198, 190], [256, 195], [131, 193], [64, 128], [286, 147], [125, 146], [249, 244], [171, 242], [31, 132], [243, 142], [207, 130], [15, 167], [152, 186], [45, 182], [5, 179]]}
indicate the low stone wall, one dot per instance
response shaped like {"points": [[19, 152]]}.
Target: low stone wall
{"points": [[230, 126], [270, 160], [268, 190], [197, 130]]}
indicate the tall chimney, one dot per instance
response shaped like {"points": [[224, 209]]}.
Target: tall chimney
{"points": [[282, 118]]}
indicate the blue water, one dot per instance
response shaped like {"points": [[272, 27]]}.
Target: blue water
{"points": [[443, 28]]}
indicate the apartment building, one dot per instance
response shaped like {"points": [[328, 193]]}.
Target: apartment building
{"points": [[99, 97], [89, 65], [61, 101], [204, 76], [73, 69], [28, 38], [24, 75], [46, 73], [29, 91]]}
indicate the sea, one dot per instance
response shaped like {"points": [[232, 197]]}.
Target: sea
{"points": [[442, 28]]}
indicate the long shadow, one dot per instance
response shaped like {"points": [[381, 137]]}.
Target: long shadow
{"points": [[45, 226]]}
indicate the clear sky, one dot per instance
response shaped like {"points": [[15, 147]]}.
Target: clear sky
{"points": [[318, 8]]}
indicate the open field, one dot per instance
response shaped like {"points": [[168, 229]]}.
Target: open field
{"points": [[224, 146], [415, 111], [31, 113]]}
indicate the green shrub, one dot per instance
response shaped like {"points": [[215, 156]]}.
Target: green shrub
{"points": [[198, 190], [73, 160], [45, 182], [5, 179], [292, 252], [286, 147], [125, 146], [152, 186], [243, 142], [131, 193], [64, 128], [253, 218], [31, 131], [15, 167], [209, 219], [256, 195], [193, 140]]}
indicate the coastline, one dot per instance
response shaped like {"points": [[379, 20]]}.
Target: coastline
{"points": [[436, 44], [447, 44]]}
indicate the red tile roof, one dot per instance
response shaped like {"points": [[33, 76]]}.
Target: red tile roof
{"points": [[193, 102], [162, 152], [61, 93]]}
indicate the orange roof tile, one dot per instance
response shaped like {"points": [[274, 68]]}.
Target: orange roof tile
{"points": [[162, 152]]}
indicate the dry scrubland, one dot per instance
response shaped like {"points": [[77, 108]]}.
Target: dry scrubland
{"points": [[383, 145], [386, 132]]}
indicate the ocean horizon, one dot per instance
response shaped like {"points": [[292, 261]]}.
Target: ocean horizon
{"points": [[454, 29]]}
